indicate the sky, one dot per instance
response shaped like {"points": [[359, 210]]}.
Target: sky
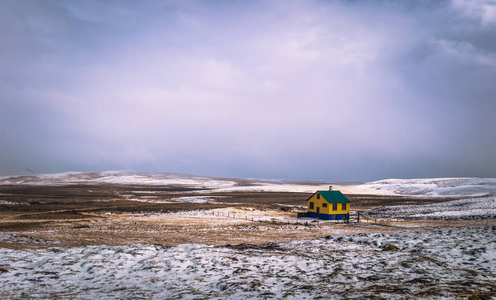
{"points": [[316, 89]]}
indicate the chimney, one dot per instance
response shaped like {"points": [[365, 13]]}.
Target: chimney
{"points": [[330, 188]]}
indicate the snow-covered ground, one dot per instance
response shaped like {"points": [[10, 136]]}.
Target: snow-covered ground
{"points": [[477, 197], [421, 188], [477, 194], [154, 199], [456, 209], [117, 177], [241, 214], [428, 188], [447, 263], [163, 179]]}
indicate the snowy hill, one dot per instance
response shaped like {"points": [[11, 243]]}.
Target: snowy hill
{"points": [[476, 197], [117, 177], [434, 187], [168, 179], [476, 208], [423, 188]]}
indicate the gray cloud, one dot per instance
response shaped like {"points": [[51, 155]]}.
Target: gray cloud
{"points": [[291, 89]]}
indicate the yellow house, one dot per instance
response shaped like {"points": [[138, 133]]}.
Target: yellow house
{"points": [[329, 205]]}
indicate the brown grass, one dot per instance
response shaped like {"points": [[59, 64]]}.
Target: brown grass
{"points": [[69, 216]]}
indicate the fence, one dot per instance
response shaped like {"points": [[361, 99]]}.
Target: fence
{"points": [[355, 217]]}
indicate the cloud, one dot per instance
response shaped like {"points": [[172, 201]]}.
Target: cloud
{"points": [[483, 11], [293, 89]]}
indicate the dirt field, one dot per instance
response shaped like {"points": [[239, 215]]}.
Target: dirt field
{"points": [[80, 215]]}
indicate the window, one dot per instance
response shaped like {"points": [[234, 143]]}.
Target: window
{"points": [[324, 204], [311, 205], [344, 206], [334, 207], [318, 196]]}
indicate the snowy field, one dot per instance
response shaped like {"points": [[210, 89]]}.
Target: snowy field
{"points": [[162, 179], [447, 264], [477, 198], [117, 177], [428, 188], [476, 208], [477, 195], [419, 188]]}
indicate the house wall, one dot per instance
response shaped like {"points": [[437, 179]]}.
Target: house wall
{"points": [[318, 203], [326, 213]]}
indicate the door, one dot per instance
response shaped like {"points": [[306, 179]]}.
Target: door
{"points": [[318, 212]]}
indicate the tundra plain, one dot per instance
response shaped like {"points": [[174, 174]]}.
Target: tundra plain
{"points": [[134, 235]]}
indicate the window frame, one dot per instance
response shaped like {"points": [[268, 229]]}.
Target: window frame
{"points": [[324, 204], [334, 207], [312, 205], [344, 206]]}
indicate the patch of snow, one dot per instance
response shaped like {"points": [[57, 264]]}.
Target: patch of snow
{"points": [[193, 199], [238, 213], [11, 203], [186, 199]]}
